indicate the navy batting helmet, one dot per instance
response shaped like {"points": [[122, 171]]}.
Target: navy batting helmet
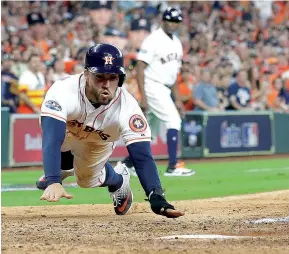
{"points": [[105, 58], [173, 15]]}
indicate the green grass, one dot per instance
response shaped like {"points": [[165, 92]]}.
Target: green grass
{"points": [[212, 179]]}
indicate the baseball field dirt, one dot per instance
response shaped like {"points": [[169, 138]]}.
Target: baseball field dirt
{"points": [[259, 221]]}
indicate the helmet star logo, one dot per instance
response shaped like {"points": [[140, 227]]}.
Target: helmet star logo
{"points": [[108, 59]]}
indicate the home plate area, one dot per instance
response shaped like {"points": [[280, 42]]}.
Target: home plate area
{"points": [[238, 224]]}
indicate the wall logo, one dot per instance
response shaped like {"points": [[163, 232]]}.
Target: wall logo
{"points": [[233, 136], [193, 130], [250, 134]]}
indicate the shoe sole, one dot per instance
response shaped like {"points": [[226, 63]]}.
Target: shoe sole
{"points": [[126, 209], [187, 174]]}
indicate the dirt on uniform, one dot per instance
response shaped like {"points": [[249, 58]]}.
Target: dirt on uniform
{"points": [[96, 229]]}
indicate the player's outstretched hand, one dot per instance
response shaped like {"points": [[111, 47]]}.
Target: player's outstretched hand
{"points": [[160, 206], [54, 192]]}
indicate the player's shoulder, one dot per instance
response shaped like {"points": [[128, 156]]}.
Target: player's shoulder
{"points": [[127, 100], [158, 33], [65, 89], [155, 34], [68, 84], [69, 80]]}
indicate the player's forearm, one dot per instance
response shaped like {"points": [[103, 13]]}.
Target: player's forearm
{"points": [[176, 93], [145, 165], [52, 138], [140, 76]]}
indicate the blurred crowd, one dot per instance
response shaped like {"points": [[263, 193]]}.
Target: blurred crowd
{"points": [[236, 53]]}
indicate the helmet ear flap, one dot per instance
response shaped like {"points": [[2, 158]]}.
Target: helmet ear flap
{"points": [[121, 79]]}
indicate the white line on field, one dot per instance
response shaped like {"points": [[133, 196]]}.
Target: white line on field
{"points": [[256, 170], [269, 220], [6, 188]]}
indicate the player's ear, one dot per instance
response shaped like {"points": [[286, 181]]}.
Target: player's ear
{"points": [[86, 74]]}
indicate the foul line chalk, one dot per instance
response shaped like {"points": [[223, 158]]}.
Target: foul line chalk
{"points": [[256, 170], [269, 220], [6, 188]]}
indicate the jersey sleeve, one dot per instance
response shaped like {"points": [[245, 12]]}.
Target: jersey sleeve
{"points": [[57, 103], [147, 50], [134, 127]]}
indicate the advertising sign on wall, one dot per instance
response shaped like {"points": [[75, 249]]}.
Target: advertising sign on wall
{"points": [[25, 140], [238, 134]]}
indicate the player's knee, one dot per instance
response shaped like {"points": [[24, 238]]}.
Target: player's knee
{"points": [[92, 182], [174, 125]]}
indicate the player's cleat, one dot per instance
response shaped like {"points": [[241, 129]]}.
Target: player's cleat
{"points": [[128, 163], [123, 197], [179, 170], [42, 183]]}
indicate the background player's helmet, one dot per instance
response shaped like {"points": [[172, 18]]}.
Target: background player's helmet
{"points": [[105, 58], [173, 15]]}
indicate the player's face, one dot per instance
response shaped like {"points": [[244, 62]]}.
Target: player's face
{"points": [[170, 27], [101, 87]]}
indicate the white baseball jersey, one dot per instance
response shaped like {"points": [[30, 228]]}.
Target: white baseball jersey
{"points": [[92, 133], [163, 56]]}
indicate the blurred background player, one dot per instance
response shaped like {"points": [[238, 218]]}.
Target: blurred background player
{"points": [[159, 62]]}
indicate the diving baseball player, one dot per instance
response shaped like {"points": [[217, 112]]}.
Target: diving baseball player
{"points": [[82, 117], [159, 62]]}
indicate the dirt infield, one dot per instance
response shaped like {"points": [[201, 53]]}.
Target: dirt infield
{"points": [[95, 228]]}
